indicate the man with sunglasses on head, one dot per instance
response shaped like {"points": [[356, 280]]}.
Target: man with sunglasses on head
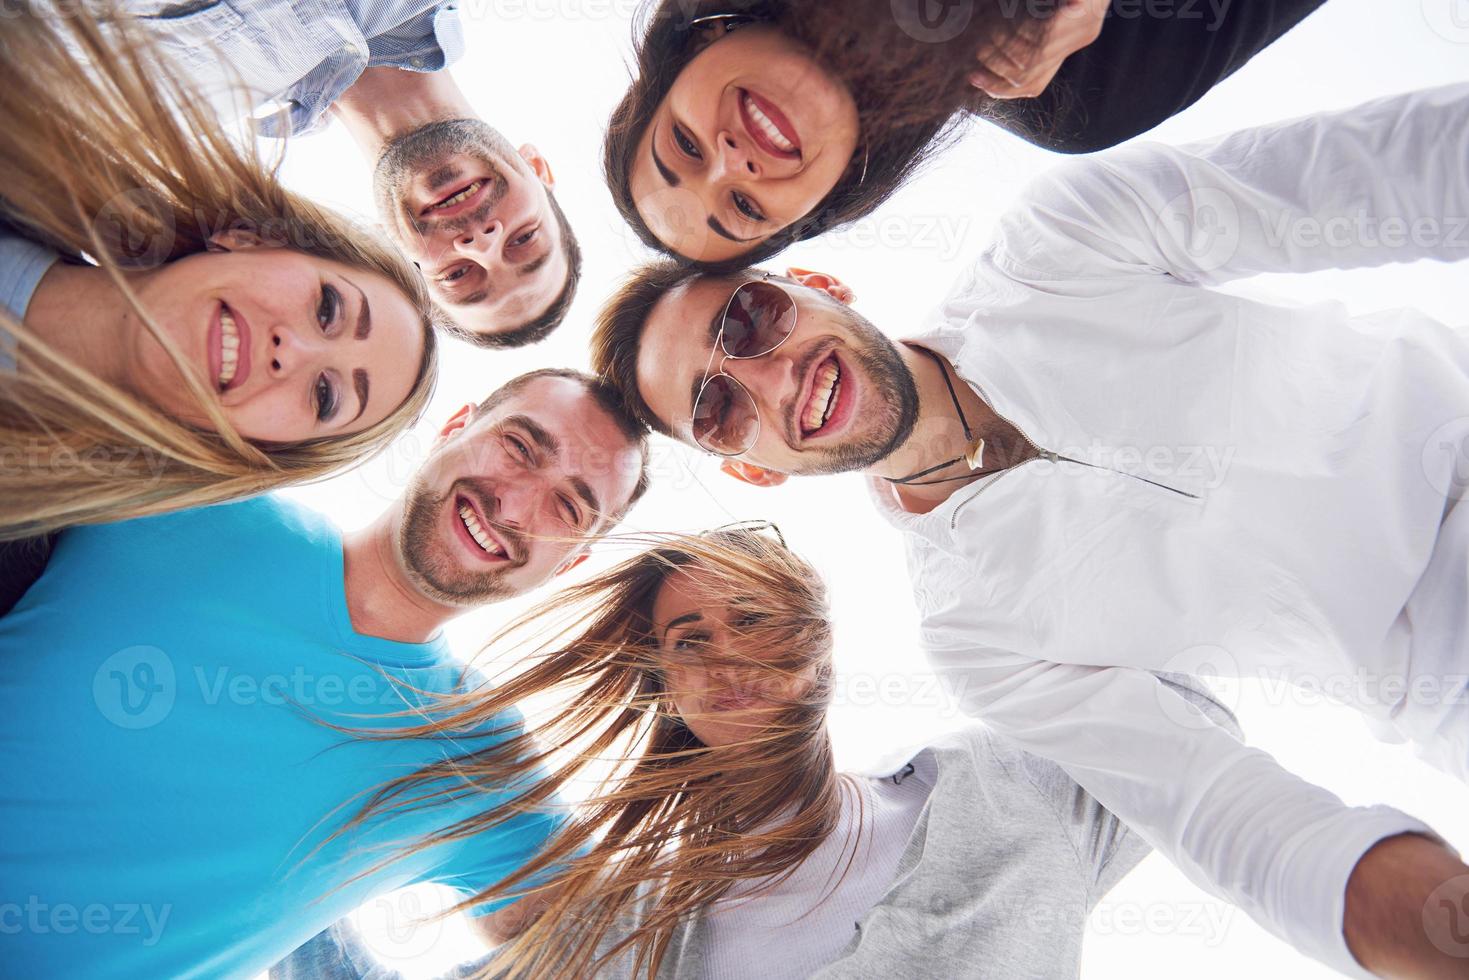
{"points": [[1104, 468], [477, 215], [197, 705]]}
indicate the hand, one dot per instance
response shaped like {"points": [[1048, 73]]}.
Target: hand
{"points": [[1014, 69], [1406, 899]]}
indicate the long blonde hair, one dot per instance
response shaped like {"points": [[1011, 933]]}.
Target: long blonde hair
{"points": [[671, 824], [107, 146]]}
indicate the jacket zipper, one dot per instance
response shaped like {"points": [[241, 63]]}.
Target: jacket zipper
{"points": [[1054, 458]]}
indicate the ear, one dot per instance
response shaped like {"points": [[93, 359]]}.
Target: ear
{"points": [[825, 282], [238, 240], [538, 163], [567, 566], [456, 423], [754, 475]]}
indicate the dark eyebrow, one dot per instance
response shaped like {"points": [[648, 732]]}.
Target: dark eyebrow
{"points": [[364, 314], [548, 443], [359, 381], [721, 231], [588, 497], [668, 175], [533, 265], [692, 617]]}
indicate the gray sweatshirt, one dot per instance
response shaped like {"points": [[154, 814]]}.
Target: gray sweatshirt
{"points": [[1002, 869]]}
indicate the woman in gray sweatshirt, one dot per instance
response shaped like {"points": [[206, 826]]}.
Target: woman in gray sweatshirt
{"points": [[970, 858]]}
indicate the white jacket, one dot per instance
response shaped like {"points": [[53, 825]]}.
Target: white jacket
{"points": [[1258, 488]]}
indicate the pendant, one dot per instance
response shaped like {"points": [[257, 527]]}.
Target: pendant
{"points": [[974, 455]]}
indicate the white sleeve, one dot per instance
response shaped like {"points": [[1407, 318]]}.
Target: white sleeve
{"points": [[1228, 815], [1381, 183]]}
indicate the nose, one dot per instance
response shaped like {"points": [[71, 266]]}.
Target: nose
{"points": [[482, 241], [732, 160], [293, 352], [516, 499], [770, 379]]}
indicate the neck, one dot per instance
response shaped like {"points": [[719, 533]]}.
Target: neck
{"points": [[386, 103], [938, 435], [382, 600], [82, 315]]}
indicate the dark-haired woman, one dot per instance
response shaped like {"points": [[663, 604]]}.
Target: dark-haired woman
{"points": [[736, 849], [751, 124]]}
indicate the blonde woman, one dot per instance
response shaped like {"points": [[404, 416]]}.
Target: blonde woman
{"points": [[179, 329], [728, 845]]}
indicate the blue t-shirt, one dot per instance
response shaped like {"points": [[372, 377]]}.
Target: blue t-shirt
{"points": [[165, 777]]}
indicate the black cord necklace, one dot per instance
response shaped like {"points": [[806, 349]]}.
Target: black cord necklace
{"points": [[973, 457]]}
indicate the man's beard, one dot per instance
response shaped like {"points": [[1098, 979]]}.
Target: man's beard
{"points": [[440, 578], [425, 152], [894, 411]]}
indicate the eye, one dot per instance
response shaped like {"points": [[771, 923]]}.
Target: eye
{"points": [[685, 145], [569, 512], [329, 306], [517, 449], [748, 620], [746, 207], [526, 239], [455, 274], [690, 642], [325, 394]]}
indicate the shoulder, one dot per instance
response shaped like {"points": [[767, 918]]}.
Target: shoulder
{"points": [[258, 535], [268, 515]]}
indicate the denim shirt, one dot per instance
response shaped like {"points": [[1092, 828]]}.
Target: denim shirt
{"points": [[294, 58]]}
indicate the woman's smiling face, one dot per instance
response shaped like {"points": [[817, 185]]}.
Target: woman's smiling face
{"points": [[751, 136], [721, 684], [297, 347]]}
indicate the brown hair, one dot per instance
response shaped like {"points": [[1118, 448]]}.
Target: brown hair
{"points": [[910, 92], [618, 333], [675, 823], [107, 147]]}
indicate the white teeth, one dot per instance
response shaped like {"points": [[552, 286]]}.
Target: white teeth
{"points": [[229, 348], [769, 128], [477, 531], [461, 196], [823, 396]]}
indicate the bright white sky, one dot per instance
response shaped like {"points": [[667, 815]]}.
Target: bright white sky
{"points": [[549, 72]]}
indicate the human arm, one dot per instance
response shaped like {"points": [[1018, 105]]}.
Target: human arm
{"points": [[1381, 183], [1228, 815]]}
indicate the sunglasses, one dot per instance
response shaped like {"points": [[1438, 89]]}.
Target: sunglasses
{"points": [[759, 317]]}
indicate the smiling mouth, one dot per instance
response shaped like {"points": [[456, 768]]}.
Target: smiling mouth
{"points": [[457, 197], [477, 532], [229, 348], [776, 134], [824, 391], [229, 337]]}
